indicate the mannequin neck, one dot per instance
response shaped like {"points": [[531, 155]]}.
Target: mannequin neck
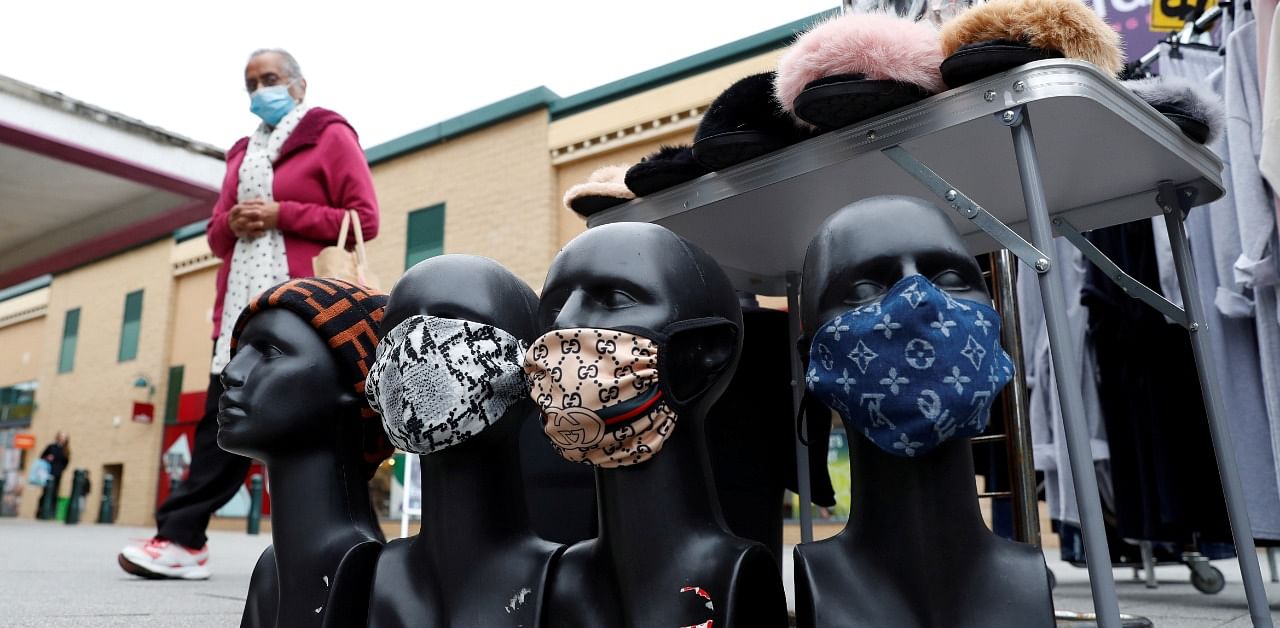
{"points": [[931, 500], [641, 504], [321, 509], [473, 493]]}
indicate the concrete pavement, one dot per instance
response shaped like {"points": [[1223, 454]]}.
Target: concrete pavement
{"points": [[54, 575]]}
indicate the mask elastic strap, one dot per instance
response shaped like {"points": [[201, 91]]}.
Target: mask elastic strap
{"points": [[802, 433]]}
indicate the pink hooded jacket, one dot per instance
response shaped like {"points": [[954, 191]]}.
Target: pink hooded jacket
{"points": [[321, 173]]}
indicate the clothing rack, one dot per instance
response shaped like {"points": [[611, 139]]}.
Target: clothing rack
{"points": [[1191, 30], [978, 143]]}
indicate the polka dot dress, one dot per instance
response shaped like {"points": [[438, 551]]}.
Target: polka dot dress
{"points": [[260, 263]]}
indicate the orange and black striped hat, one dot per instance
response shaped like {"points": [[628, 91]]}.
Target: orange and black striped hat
{"points": [[347, 317]]}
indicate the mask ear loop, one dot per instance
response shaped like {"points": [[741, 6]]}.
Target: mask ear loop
{"points": [[802, 431]]}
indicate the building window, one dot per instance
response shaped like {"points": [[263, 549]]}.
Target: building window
{"points": [[16, 404], [425, 235], [131, 327], [70, 332]]}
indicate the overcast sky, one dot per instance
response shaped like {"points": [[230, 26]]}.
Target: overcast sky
{"points": [[390, 67]]}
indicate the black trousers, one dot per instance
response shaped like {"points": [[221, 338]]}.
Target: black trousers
{"points": [[213, 479]]}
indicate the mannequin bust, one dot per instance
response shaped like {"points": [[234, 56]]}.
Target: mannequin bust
{"points": [[286, 402], [476, 562], [915, 552], [663, 556]]}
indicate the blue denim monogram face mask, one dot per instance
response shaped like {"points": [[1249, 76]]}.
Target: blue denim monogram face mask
{"points": [[913, 370]]}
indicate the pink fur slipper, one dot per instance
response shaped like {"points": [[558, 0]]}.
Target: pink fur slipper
{"points": [[605, 188], [856, 66]]}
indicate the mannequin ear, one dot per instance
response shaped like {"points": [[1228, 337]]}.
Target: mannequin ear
{"points": [[698, 357], [349, 401]]}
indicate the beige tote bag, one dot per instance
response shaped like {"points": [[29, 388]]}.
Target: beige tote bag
{"points": [[339, 263]]}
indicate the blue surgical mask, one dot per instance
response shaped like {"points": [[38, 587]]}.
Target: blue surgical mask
{"points": [[913, 370], [272, 104]]}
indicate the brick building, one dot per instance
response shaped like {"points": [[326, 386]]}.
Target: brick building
{"points": [[488, 182]]}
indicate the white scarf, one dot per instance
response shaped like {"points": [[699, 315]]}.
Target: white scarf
{"points": [[260, 263]]}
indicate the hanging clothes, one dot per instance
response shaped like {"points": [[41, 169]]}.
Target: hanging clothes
{"points": [[1049, 445], [1164, 475], [1214, 234], [1254, 275]]}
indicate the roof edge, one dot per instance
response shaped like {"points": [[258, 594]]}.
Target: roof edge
{"points": [[62, 102], [193, 230], [30, 285], [759, 43], [537, 98]]}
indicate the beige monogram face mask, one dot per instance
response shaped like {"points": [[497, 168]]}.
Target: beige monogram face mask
{"points": [[600, 396]]}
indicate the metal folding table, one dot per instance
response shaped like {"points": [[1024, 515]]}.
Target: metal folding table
{"points": [[1106, 158]]}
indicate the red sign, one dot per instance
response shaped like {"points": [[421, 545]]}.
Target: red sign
{"points": [[24, 441], [144, 412]]}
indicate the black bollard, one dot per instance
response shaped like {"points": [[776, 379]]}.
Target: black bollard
{"points": [[2, 488], [107, 511], [49, 501], [255, 504], [79, 486]]}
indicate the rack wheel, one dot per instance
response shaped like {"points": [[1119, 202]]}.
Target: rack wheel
{"points": [[1208, 579]]}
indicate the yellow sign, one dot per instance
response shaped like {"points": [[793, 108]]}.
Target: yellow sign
{"points": [[1171, 15]]}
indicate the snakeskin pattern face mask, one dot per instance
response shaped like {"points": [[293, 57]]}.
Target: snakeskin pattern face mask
{"points": [[600, 395], [439, 381]]}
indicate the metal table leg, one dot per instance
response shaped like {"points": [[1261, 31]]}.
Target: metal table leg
{"points": [[1271, 564], [1022, 473], [1237, 512], [797, 394], [1149, 563], [1053, 294]]}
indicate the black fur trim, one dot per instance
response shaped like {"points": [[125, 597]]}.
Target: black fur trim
{"points": [[745, 121], [670, 166]]}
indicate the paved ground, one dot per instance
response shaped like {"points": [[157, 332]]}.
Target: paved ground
{"points": [[53, 575], [1175, 603]]}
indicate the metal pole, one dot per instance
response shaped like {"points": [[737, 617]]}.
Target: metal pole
{"points": [[1271, 563], [1022, 473], [1053, 294], [404, 497], [107, 509], [78, 490], [1237, 512], [797, 395], [49, 499], [254, 520]]}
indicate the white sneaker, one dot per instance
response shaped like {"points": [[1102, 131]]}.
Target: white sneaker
{"points": [[161, 558]]}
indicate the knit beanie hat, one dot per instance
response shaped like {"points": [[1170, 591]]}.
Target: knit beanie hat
{"points": [[603, 189], [347, 317], [857, 66], [999, 35]]}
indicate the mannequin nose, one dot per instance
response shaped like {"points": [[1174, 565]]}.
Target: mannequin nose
{"points": [[230, 376], [571, 314], [909, 267]]}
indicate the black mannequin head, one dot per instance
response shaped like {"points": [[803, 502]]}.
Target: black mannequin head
{"points": [[861, 251], [643, 276], [470, 288], [283, 389], [464, 287]]}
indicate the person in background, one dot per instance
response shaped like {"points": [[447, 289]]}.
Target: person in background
{"points": [[285, 193], [58, 454]]}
